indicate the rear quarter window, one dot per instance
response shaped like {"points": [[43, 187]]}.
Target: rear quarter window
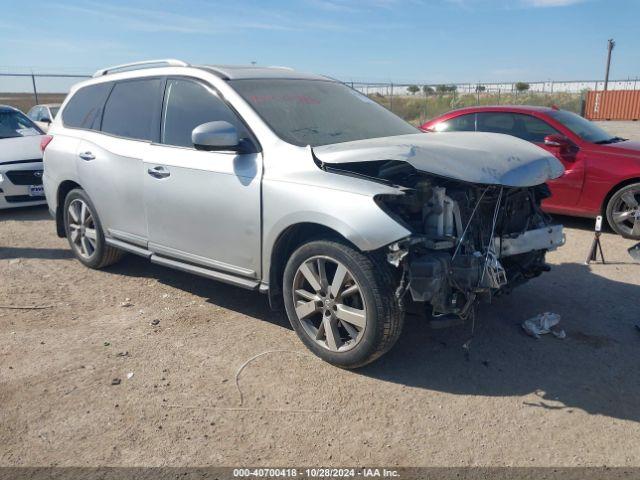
{"points": [[84, 109]]}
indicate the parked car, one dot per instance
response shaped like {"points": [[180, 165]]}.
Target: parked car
{"points": [[299, 187], [43, 115], [20, 160], [602, 174]]}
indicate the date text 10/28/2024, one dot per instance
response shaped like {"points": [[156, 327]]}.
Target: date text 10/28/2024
{"points": [[316, 472]]}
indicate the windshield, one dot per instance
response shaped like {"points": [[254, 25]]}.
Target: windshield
{"points": [[582, 127], [317, 112], [16, 124]]}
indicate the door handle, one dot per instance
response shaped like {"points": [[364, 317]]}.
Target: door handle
{"points": [[158, 172], [87, 156]]}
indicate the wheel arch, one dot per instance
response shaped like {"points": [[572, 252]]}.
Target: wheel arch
{"points": [[285, 244], [613, 190], [63, 190]]}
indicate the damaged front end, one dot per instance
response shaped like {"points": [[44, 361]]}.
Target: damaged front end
{"points": [[472, 203], [470, 242]]}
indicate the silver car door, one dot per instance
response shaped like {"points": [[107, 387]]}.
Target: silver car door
{"points": [[111, 172], [110, 162], [202, 207]]}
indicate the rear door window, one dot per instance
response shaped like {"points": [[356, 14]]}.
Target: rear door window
{"points": [[133, 109], [84, 109]]}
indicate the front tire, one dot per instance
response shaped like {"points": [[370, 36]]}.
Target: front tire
{"points": [[84, 232], [341, 303], [623, 211]]}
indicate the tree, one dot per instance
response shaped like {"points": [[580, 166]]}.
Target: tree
{"points": [[446, 89], [427, 90], [413, 89], [522, 86], [480, 88]]}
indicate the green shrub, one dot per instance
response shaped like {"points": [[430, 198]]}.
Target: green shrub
{"points": [[420, 108]]}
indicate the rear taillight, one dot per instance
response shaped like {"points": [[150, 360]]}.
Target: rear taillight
{"points": [[46, 139]]}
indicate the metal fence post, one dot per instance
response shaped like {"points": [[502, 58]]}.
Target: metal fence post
{"points": [[391, 98], [35, 90]]}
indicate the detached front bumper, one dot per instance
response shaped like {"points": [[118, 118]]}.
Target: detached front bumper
{"points": [[546, 238], [21, 185], [448, 282]]}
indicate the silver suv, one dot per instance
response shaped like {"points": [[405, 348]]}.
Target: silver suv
{"points": [[299, 187]]}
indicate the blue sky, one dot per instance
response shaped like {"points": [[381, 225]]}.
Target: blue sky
{"points": [[375, 40]]}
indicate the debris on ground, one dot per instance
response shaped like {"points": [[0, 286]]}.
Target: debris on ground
{"points": [[155, 322], [106, 344], [129, 375], [542, 324], [635, 252], [26, 307], [126, 303], [122, 354], [116, 381]]}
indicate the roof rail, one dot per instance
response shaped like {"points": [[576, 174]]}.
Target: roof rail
{"points": [[145, 64]]}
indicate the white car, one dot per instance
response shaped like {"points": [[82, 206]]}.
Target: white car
{"points": [[43, 115], [20, 160]]}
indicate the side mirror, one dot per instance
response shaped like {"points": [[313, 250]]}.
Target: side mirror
{"points": [[566, 148], [557, 141], [215, 136], [45, 120]]}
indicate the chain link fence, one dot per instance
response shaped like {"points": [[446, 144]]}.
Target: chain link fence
{"points": [[417, 103], [414, 102], [24, 90]]}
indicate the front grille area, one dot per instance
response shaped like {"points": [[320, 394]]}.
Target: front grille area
{"points": [[23, 198], [25, 177]]}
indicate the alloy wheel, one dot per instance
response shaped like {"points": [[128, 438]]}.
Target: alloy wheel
{"points": [[626, 213], [329, 303], [82, 228]]}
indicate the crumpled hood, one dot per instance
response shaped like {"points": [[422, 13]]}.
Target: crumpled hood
{"points": [[485, 158], [20, 148]]}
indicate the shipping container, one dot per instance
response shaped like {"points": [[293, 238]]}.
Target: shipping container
{"points": [[613, 105]]}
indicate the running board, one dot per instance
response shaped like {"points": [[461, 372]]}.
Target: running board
{"points": [[205, 272], [127, 247]]}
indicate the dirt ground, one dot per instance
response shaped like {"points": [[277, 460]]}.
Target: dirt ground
{"points": [[515, 401]]}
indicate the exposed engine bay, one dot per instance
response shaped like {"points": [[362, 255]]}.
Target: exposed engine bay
{"points": [[470, 241]]}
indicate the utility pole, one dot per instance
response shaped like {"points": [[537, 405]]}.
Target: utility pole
{"points": [[610, 45]]}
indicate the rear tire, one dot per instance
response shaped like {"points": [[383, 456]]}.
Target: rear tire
{"points": [[348, 315], [623, 211], [84, 232]]}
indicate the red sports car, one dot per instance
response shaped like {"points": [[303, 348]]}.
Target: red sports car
{"points": [[602, 174]]}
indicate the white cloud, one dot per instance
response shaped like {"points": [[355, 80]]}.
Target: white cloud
{"points": [[551, 3], [513, 4], [150, 20]]}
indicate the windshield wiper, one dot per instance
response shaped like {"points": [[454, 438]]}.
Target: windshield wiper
{"points": [[610, 140]]}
